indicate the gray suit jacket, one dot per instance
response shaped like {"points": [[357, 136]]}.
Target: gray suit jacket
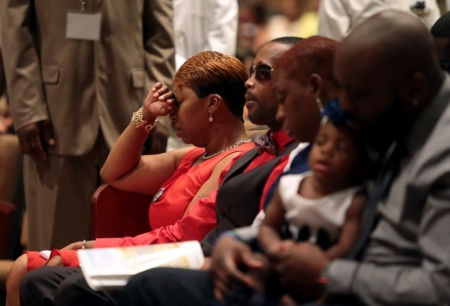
{"points": [[84, 86], [407, 261]]}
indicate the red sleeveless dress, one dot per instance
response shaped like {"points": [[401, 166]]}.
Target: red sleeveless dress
{"points": [[167, 209]]}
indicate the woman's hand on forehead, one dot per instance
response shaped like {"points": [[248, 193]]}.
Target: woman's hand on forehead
{"points": [[159, 101]]}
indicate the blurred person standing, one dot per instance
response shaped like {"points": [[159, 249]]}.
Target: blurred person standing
{"points": [[296, 18], [202, 25], [252, 16], [5, 112], [338, 17], [75, 71]]}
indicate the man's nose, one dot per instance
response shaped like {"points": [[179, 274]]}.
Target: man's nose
{"points": [[250, 83]]}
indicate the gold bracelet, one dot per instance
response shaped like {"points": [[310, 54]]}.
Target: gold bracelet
{"points": [[138, 121]]}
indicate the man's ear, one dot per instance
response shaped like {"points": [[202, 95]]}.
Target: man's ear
{"points": [[315, 81], [416, 91]]}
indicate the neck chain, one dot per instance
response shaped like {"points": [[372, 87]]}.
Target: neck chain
{"points": [[204, 157]]}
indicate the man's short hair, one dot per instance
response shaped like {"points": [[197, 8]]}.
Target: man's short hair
{"points": [[441, 28], [287, 40]]}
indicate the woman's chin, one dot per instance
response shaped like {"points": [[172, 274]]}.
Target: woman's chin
{"points": [[185, 140], [195, 141]]}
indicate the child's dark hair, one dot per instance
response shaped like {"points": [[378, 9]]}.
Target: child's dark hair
{"points": [[333, 113]]}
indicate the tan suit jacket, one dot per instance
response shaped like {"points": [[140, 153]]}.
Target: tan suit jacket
{"points": [[84, 86]]}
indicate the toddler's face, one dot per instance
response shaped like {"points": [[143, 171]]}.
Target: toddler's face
{"points": [[335, 155]]}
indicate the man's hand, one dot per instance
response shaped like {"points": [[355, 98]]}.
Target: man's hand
{"points": [[206, 265], [228, 256], [34, 137], [282, 245], [299, 268]]}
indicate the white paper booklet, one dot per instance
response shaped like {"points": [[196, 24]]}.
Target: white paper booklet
{"points": [[108, 268]]}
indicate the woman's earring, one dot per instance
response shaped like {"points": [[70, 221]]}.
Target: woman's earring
{"points": [[319, 103], [210, 117]]}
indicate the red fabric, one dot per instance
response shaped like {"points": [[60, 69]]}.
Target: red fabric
{"points": [[184, 184], [34, 260], [69, 257], [282, 139], [274, 175], [170, 208], [200, 220], [201, 217]]}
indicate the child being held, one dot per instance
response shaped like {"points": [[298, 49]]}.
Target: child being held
{"points": [[324, 205]]}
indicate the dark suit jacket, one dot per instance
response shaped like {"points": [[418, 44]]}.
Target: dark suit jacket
{"points": [[239, 195]]}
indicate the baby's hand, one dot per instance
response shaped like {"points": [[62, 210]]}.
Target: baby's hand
{"points": [[159, 101], [283, 245]]}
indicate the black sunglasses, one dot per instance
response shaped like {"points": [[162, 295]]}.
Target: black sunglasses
{"points": [[263, 73]]}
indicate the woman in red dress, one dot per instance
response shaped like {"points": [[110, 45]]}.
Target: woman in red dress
{"points": [[206, 109]]}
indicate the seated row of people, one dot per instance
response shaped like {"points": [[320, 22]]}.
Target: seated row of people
{"points": [[396, 100]]}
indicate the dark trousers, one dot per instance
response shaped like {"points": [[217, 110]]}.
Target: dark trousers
{"points": [[171, 286], [61, 286], [168, 287], [159, 286]]}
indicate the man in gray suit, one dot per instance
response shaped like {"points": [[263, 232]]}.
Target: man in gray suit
{"points": [[76, 70]]}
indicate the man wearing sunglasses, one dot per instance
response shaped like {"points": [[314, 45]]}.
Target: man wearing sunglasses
{"points": [[245, 185]]}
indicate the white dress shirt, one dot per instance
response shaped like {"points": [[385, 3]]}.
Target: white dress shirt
{"points": [[338, 17], [202, 25]]}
